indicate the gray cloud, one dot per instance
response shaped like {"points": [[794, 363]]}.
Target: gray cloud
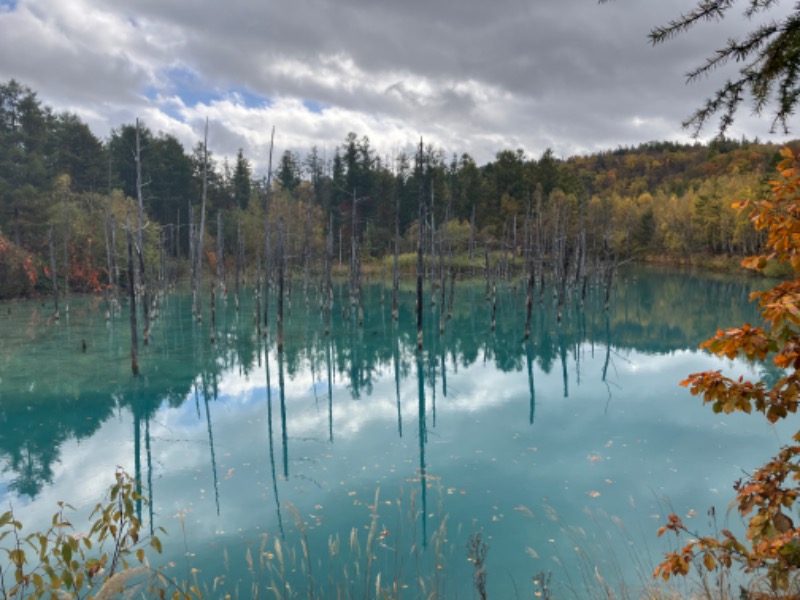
{"points": [[469, 75]]}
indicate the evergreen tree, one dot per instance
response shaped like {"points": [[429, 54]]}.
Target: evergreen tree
{"points": [[289, 174], [241, 181]]}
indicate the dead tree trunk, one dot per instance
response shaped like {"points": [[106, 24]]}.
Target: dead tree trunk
{"points": [[238, 263], [132, 299], [213, 305], [140, 239], [307, 254], [486, 271], [581, 272], [472, 234], [396, 262], [114, 264], [267, 198], [53, 277], [353, 254], [540, 240], [199, 237], [491, 287], [192, 259], [221, 275], [443, 241], [110, 291], [420, 265], [281, 277], [67, 267], [530, 274], [608, 266], [514, 245], [328, 275], [257, 291]]}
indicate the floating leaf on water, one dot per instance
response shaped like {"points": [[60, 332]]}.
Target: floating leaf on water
{"points": [[525, 510]]}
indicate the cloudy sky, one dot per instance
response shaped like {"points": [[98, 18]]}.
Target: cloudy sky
{"points": [[467, 75]]}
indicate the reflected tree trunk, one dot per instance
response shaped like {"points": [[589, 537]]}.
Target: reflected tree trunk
{"points": [[529, 361], [211, 439], [272, 446], [284, 432], [328, 344], [423, 439]]}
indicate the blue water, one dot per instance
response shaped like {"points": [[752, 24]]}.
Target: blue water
{"points": [[565, 452]]}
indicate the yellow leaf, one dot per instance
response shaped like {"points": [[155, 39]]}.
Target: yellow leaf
{"points": [[709, 562]]}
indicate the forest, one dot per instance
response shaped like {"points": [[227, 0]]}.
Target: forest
{"points": [[65, 195]]}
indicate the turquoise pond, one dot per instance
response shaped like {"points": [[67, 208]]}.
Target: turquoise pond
{"points": [[566, 453]]}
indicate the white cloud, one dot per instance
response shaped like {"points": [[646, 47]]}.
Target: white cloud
{"points": [[468, 76]]}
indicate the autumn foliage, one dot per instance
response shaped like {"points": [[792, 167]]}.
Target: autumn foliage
{"points": [[18, 270], [764, 499]]}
